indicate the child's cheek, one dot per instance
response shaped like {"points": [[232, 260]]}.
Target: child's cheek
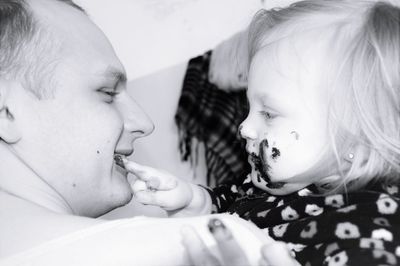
{"points": [[280, 151]]}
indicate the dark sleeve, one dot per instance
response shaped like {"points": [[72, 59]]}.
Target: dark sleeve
{"points": [[225, 195]]}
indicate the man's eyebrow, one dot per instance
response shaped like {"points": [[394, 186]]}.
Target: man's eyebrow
{"points": [[115, 74]]}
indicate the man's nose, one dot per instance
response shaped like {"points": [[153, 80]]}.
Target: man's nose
{"points": [[246, 130], [136, 121]]}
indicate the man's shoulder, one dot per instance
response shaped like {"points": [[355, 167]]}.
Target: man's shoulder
{"points": [[24, 225]]}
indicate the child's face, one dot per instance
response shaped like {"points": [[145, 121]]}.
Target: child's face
{"points": [[286, 130]]}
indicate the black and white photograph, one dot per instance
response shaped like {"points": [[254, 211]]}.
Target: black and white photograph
{"points": [[199, 132]]}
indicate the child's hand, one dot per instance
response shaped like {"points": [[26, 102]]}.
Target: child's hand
{"points": [[231, 250], [199, 254], [160, 188]]}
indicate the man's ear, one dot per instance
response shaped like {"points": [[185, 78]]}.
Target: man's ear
{"points": [[9, 131]]}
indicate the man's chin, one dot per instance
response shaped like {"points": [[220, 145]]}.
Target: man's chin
{"points": [[122, 193], [117, 200], [118, 192]]}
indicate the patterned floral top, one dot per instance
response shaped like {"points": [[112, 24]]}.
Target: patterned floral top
{"points": [[358, 228]]}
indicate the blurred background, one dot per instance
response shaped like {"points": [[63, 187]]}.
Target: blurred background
{"points": [[154, 39]]}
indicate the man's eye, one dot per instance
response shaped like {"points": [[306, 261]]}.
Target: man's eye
{"points": [[110, 94]]}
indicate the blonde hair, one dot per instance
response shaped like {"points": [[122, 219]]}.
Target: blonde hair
{"points": [[364, 80]]}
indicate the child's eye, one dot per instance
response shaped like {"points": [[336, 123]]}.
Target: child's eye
{"points": [[268, 115]]}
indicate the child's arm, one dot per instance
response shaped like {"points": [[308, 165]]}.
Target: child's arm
{"points": [[181, 198], [178, 197]]}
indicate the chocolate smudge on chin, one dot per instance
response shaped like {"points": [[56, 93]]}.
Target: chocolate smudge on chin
{"points": [[262, 167], [263, 155], [258, 177], [275, 185], [259, 168]]}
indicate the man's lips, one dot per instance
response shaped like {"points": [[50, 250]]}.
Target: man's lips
{"points": [[119, 165], [118, 160], [120, 154], [124, 152]]}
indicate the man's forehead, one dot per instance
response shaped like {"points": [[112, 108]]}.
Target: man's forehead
{"points": [[63, 19], [81, 41]]}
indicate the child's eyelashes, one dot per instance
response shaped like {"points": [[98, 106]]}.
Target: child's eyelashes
{"points": [[268, 115]]}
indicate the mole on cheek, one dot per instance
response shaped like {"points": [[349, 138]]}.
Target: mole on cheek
{"points": [[73, 185], [98, 152]]}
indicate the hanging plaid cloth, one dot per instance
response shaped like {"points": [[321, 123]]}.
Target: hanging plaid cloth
{"points": [[212, 116]]}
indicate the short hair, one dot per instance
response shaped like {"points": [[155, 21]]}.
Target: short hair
{"points": [[364, 80], [23, 53]]}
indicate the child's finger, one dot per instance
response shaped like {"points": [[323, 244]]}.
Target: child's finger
{"points": [[165, 182], [152, 198], [198, 253], [146, 197], [163, 199], [153, 177], [231, 251], [139, 185], [135, 168]]}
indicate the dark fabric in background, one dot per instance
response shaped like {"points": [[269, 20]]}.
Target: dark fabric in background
{"points": [[212, 116]]}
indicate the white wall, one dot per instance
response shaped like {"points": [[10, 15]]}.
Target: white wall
{"points": [[150, 35]]}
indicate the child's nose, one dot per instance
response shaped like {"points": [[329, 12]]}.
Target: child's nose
{"points": [[246, 131]]}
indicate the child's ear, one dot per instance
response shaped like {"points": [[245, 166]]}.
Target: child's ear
{"points": [[9, 132]]}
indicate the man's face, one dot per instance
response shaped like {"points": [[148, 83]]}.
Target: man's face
{"points": [[70, 139], [285, 130]]}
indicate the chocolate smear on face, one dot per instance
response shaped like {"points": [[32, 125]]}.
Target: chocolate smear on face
{"points": [[275, 185], [263, 156], [262, 167], [275, 153], [118, 160], [258, 177]]}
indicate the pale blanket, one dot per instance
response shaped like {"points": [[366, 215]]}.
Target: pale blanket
{"points": [[136, 241]]}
